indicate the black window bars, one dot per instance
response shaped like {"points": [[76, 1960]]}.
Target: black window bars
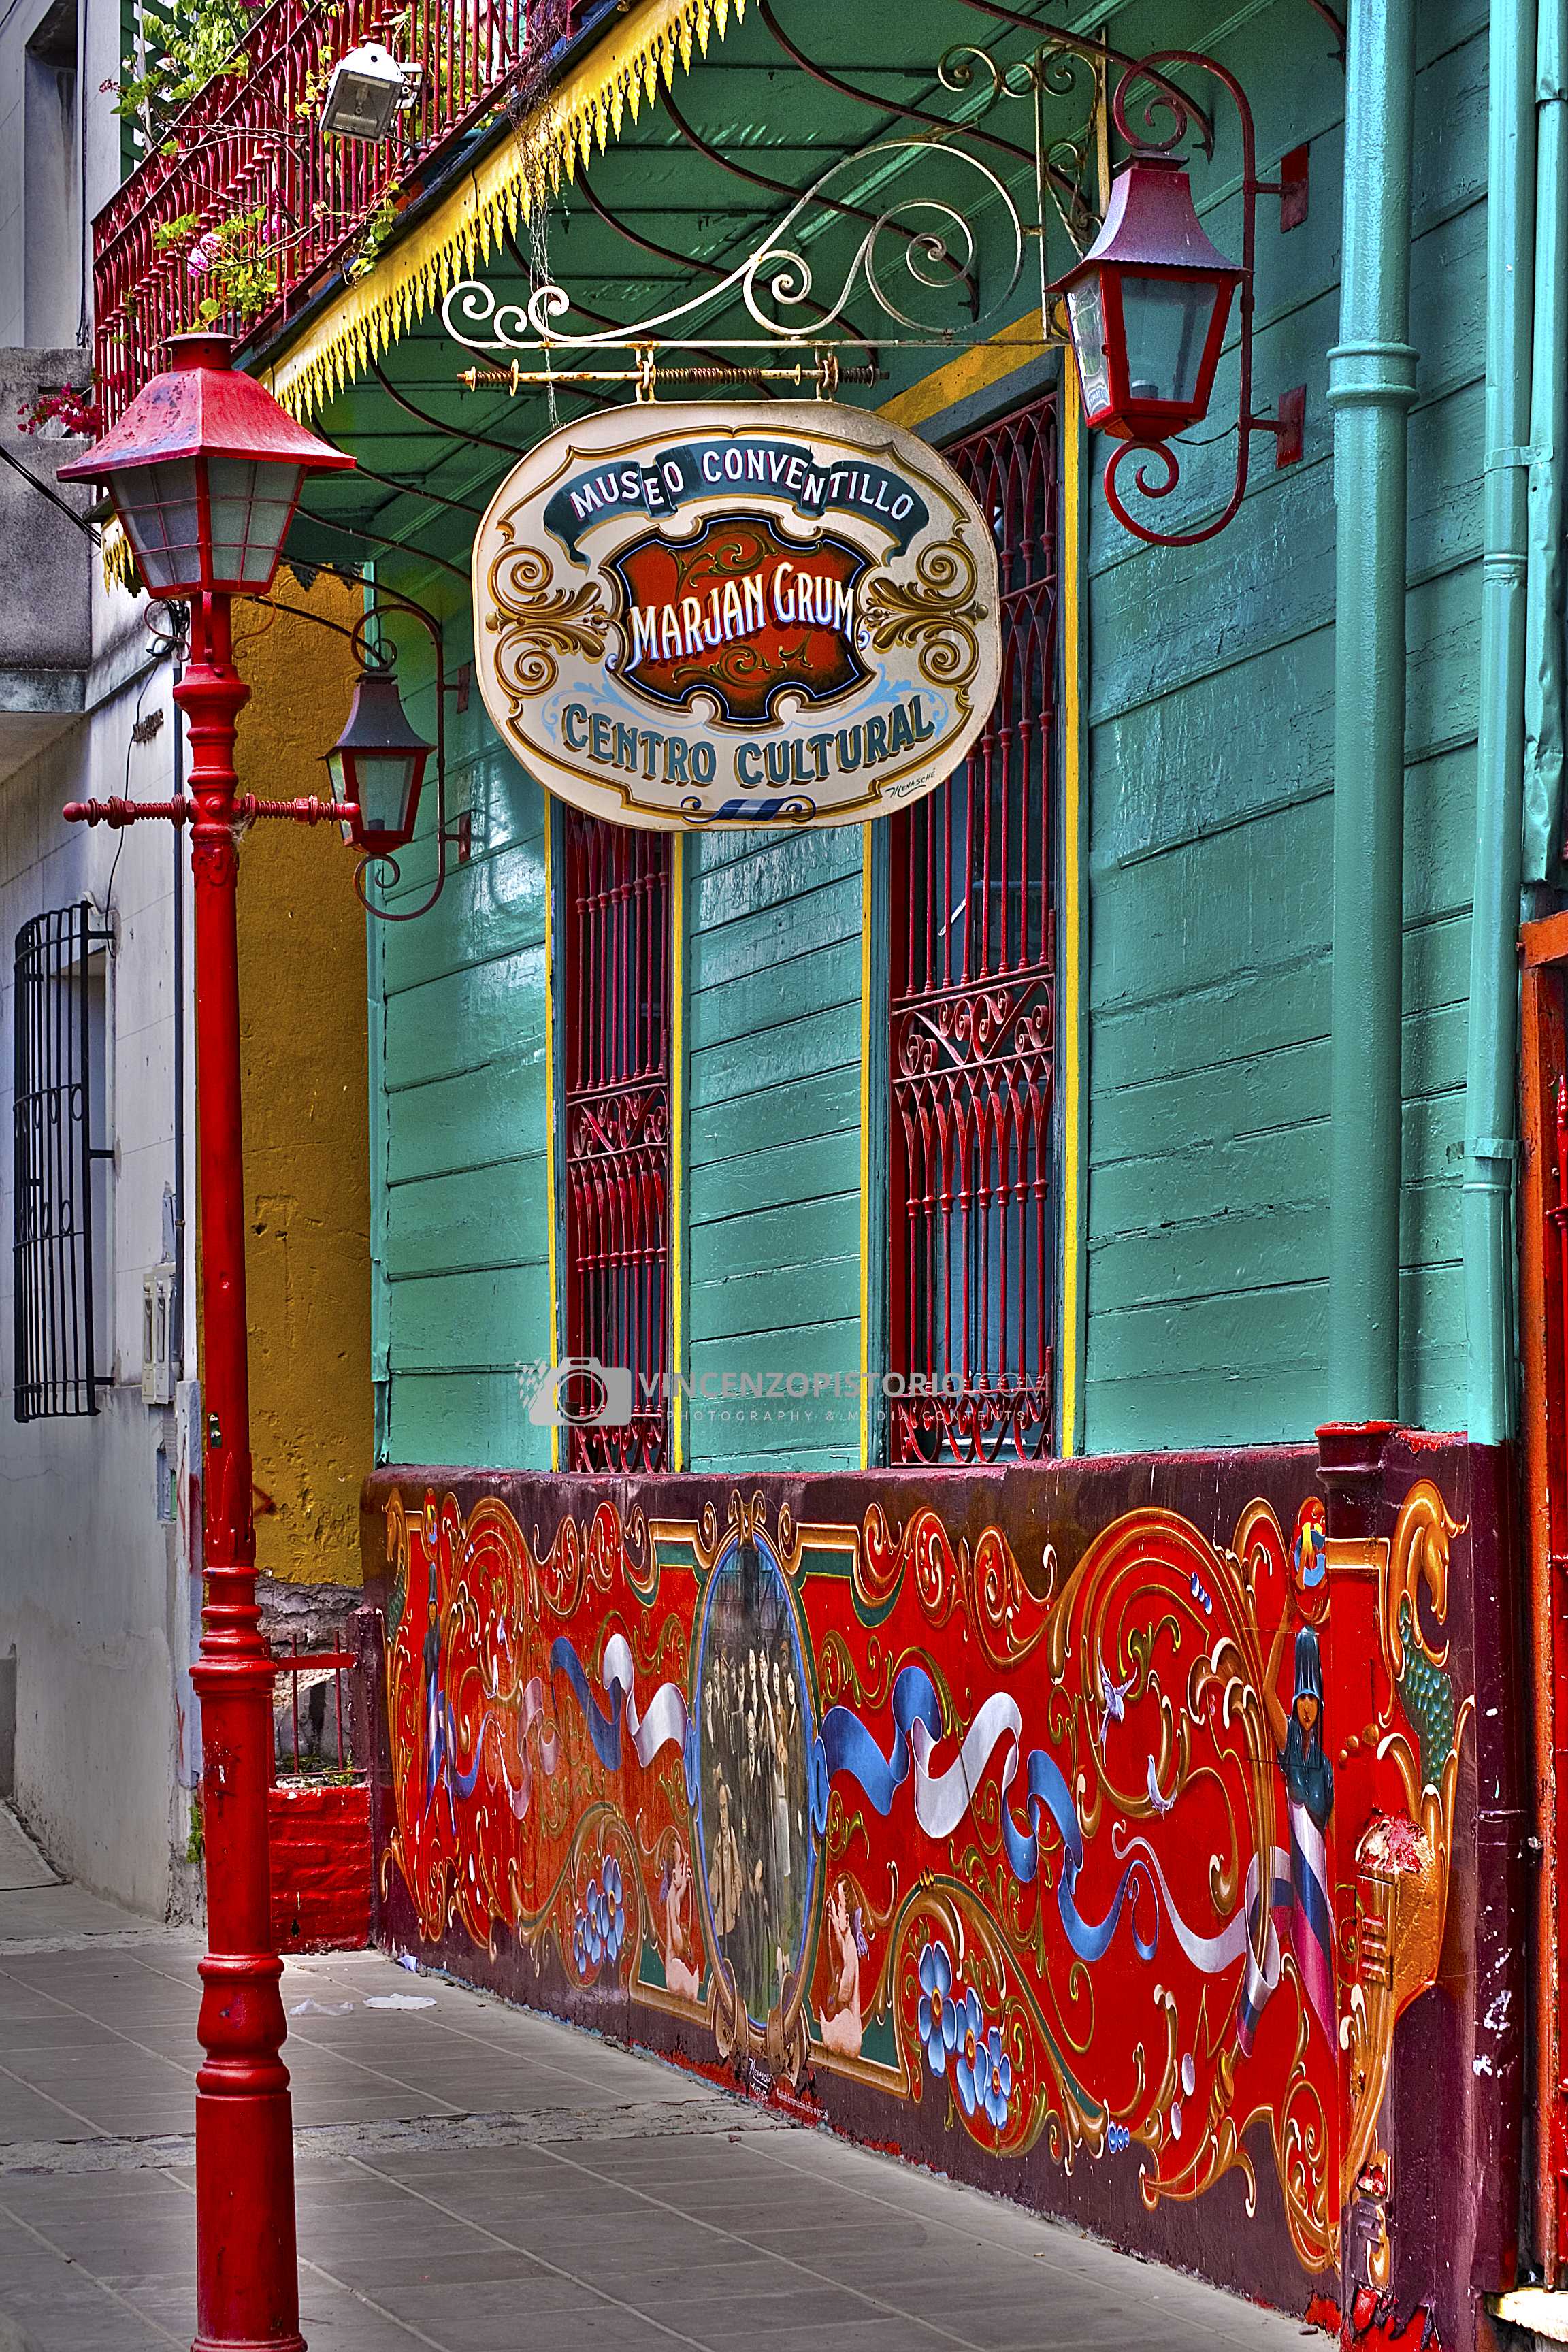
{"points": [[58, 1058]]}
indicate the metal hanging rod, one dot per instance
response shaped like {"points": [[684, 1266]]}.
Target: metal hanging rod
{"points": [[824, 377]]}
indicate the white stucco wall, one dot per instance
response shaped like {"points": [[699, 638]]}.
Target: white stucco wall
{"points": [[95, 1589]]}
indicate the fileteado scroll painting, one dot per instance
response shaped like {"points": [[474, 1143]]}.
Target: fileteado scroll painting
{"points": [[1112, 1861]]}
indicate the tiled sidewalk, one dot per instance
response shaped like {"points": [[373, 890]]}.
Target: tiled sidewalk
{"points": [[475, 2179]]}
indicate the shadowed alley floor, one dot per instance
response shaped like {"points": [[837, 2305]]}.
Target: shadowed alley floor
{"points": [[476, 2178]]}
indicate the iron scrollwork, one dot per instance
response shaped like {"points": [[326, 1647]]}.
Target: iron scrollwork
{"points": [[775, 282]]}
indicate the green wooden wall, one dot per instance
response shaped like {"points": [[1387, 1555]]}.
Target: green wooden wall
{"points": [[459, 1134], [1211, 777], [1210, 736]]}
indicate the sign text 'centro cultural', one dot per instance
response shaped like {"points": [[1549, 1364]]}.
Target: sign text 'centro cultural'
{"points": [[688, 616]]}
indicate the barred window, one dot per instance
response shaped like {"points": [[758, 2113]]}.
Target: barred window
{"points": [[616, 1043], [56, 1113], [972, 1242]]}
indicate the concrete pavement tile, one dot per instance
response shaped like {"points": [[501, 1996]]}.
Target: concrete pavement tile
{"points": [[506, 2316], [331, 2322], [60, 1910], [25, 2113], [50, 2028], [478, 2264], [21, 1864], [869, 2335]]}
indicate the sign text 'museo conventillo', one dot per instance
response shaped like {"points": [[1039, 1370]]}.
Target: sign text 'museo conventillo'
{"points": [[691, 615]]}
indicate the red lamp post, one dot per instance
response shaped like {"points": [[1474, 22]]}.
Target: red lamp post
{"points": [[205, 471]]}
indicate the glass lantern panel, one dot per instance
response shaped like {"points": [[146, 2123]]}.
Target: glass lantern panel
{"points": [[1166, 322], [340, 785], [251, 501], [158, 506], [384, 781], [1086, 311]]}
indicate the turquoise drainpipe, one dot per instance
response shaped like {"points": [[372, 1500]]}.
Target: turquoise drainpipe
{"points": [[1371, 387], [1491, 1147], [1546, 576]]}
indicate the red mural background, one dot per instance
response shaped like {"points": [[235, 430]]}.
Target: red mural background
{"points": [[1100, 1864]]}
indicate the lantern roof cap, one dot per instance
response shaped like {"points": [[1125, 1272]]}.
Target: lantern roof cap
{"points": [[377, 721], [1152, 222], [203, 406]]}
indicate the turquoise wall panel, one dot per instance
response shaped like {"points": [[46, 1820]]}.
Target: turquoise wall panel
{"points": [[1211, 777], [773, 1023], [462, 1134]]}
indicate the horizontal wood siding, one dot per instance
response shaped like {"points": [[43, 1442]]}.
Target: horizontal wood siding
{"points": [[1211, 724], [464, 1230], [773, 1041]]}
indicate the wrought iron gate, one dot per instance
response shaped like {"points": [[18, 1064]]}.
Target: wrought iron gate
{"points": [[53, 1114], [972, 1247], [616, 1059]]}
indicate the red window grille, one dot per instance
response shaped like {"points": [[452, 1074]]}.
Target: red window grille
{"points": [[616, 1065], [971, 1246]]}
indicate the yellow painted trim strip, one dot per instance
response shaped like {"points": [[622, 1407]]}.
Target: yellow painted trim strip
{"points": [[1072, 888], [656, 39], [550, 1209], [678, 1146], [866, 1147], [972, 371]]}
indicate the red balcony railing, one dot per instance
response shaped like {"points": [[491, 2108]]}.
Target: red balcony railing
{"points": [[251, 144]]}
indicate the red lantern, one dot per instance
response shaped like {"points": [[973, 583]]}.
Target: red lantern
{"points": [[1147, 306], [205, 471], [377, 764]]}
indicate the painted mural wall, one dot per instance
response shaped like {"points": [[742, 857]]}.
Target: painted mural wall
{"points": [[1108, 1836]]}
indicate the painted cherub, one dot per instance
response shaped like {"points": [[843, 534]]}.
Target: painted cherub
{"points": [[841, 2023], [676, 1893]]}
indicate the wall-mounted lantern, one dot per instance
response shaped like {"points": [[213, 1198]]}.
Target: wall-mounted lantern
{"points": [[377, 766], [1147, 306], [1149, 303]]}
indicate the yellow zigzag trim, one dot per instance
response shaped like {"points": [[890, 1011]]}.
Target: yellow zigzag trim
{"points": [[588, 112]]}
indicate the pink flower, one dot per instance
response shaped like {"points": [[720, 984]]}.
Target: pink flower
{"points": [[202, 254]]}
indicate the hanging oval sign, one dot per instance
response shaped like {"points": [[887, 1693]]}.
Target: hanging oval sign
{"points": [[688, 616]]}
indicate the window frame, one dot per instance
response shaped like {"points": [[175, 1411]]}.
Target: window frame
{"points": [[616, 1139], [55, 1281], [1006, 1410]]}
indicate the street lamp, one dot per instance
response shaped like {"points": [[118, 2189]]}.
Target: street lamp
{"points": [[205, 471]]}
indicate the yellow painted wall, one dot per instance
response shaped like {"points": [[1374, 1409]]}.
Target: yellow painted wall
{"points": [[302, 998]]}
